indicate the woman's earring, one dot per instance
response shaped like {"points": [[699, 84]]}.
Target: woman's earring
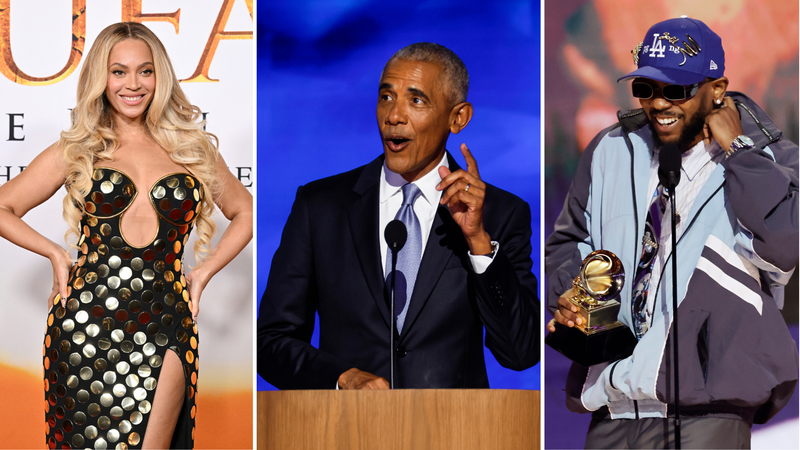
{"points": [[719, 101]]}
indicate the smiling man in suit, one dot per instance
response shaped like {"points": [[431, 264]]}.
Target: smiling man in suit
{"points": [[466, 265]]}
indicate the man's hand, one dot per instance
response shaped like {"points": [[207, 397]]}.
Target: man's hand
{"points": [[463, 194], [567, 313], [358, 379], [723, 124]]}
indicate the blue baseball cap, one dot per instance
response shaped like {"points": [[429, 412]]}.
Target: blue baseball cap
{"points": [[679, 51]]}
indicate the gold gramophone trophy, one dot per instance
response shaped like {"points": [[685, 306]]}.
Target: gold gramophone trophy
{"points": [[601, 337]]}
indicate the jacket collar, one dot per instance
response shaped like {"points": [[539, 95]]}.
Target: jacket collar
{"points": [[756, 124]]}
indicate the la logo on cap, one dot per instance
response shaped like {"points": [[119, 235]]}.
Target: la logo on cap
{"points": [[679, 51]]}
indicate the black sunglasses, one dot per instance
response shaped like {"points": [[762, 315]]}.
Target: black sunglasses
{"points": [[671, 92]]}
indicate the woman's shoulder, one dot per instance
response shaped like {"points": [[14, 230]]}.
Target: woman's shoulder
{"points": [[53, 156], [64, 160], [48, 167], [56, 148]]}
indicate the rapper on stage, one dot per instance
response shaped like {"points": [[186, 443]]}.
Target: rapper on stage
{"points": [[736, 223], [465, 266]]}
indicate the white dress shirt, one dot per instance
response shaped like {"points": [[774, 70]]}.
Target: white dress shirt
{"points": [[697, 163], [391, 198]]}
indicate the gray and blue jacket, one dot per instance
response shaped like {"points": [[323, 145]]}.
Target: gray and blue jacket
{"points": [[738, 249]]}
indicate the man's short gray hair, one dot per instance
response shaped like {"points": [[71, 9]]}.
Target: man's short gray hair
{"points": [[453, 69]]}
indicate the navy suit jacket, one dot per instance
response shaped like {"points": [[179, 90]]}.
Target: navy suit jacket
{"points": [[329, 261]]}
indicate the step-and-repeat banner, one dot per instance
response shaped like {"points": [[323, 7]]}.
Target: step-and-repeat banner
{"points": [[42, 43]]}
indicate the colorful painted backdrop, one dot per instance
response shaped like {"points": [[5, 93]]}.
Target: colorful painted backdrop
{"points": [[587, 47]]}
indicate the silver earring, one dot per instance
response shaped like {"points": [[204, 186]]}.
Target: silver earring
{"points": [[719, 101]]}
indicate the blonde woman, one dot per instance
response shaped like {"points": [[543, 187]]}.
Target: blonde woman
{"points": [[120, 353]]}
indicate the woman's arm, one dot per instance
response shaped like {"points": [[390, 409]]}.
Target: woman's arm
{"points": [[236, 205], [33, 186]]}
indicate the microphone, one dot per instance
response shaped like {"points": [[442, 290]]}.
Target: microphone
{"points": [[669, 166], [395, 235], [669, 174]]}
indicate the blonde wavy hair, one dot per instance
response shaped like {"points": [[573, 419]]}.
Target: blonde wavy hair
{"points": [[173, 122]]}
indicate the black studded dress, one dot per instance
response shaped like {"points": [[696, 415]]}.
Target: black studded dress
{"points": [[127, 307]]}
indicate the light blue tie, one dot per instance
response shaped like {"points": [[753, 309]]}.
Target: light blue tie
{"points": [[408, 258]]}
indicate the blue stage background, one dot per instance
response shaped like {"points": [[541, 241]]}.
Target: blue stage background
{"points": [[319, 63]]}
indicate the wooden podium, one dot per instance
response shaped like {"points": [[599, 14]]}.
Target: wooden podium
{"points": [[410, 419]]}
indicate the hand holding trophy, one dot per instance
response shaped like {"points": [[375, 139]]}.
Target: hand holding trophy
{"points": [[599, 336]]}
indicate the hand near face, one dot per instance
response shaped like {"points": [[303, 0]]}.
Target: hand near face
{"points": [[463, 193], [567, 313], [723, 124], [358, 379]]}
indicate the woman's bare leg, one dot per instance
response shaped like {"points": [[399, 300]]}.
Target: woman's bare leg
{"points": [[167, 404]]}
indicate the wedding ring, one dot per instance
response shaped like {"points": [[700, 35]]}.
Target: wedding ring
{"points": [[466, 189]]}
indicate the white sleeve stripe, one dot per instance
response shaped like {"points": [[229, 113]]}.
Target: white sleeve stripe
{"points": [[760, 262], [730, 284], [768, 151], [727, 253]]}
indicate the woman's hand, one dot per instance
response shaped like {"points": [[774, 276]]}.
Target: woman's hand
{"points": [[236, 206], [196, 281], [37, 183], [62, 264]]}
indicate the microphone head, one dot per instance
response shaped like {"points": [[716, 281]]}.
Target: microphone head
{"points": [[395, 235], [669, 165]]}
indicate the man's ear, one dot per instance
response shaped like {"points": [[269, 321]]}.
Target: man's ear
{"points": [[719, 87], [460, 116]]}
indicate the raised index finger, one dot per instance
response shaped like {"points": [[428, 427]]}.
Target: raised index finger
{"points": [[472, 165]]}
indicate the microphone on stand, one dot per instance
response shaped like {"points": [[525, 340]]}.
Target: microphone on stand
{"points": [[669, 174], [395, 235], [669, 166]]}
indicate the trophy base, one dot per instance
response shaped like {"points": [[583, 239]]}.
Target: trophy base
{"points": [[598, 317], [615, 341]]}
